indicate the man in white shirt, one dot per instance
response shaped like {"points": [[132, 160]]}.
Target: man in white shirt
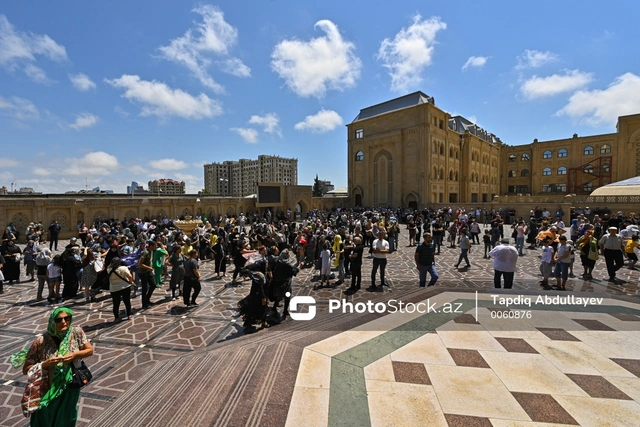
{"points": [[546, 260], [380, 249], [505, 258], [612, 248]]}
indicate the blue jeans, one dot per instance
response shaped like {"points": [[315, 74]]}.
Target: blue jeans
{"points": [[431, 269], [520, 245], [561, 270]]}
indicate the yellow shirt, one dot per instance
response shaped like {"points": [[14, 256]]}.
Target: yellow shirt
{"points": [[186, 249], [630, 246]]}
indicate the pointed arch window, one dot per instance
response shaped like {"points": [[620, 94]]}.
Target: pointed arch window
{"points": [[546, 171], [605, 149], [359, 156], [524, 173], [562, 170]]}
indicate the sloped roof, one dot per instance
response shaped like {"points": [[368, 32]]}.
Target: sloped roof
{"points": [[410, 100]]}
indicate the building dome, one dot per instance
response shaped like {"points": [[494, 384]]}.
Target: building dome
{"points": [[627, 187]]}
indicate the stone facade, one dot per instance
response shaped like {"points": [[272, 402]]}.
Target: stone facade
{"points": [[69, 210], [411, 157], [408, 152]]}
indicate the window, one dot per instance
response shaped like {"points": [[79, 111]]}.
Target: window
{"points": [[518, 189], [442, 149], [606, 168], [588, 150], [563, 153], [441, 124], [474, 197], [359, 133], [588, 169], [605, 149], [453, 198], [456, 177], [512, 173], [359, 156], [562, 170], [547, 155], [546, 171], [588, 187], [512, 158], [441, 173], [456, 154], [450, 175], [524, 173], [525, 157], [554, 188], [451, 152]]}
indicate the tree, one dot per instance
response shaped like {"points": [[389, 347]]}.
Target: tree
{"points": [[317, 187]]}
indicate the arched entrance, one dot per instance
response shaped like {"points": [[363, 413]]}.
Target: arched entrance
{"points": [[411, 200], [356, 192]]}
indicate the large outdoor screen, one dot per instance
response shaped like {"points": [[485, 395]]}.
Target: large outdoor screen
{"points": [[269, 194]]}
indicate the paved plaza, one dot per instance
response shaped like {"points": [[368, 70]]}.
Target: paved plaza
{"points": [[548, 365]]}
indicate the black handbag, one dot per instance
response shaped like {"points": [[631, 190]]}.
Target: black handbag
{"points": [[80, 376]]}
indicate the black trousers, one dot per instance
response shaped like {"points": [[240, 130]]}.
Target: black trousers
{"points": [[356, 275], [382, 263], [53, 243], [614, 260], [189, 285], [148, 286], [508, 279], [116, 297]]}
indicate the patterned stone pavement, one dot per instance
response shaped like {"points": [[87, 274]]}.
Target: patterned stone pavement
{"points": [[169, 366]]}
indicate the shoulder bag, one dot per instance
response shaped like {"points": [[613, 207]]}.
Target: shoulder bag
{"points": [[80, 376]]}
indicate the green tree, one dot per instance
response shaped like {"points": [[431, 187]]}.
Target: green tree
{"points": [[317, 187]]}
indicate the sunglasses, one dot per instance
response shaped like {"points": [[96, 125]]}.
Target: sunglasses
{"points": [[67, 319]]}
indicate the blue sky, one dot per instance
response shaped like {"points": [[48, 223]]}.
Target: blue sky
{"points": [[105, 93]]}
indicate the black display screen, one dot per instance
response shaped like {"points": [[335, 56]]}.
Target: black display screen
{"points": [[267, 194]]}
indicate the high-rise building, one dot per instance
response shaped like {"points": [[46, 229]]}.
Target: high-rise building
{"points": [[166, 187], [240, 178]]}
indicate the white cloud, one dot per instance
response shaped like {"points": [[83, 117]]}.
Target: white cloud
{"points": [[19, 108], [475, 62], [82, 82], [39, 171], [168, 164], [6, 162], [211, 36], [539, 87], [236, 67], [535, 59], [324, 63], [269, 121], [84, 120], [160, 100], [120, 111], [410, 52], [95, 163], [602, 107], [323, 121], [137, 170], [248, 134], [18, 51]]}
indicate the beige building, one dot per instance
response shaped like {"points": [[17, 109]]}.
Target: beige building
{"points": [[168, 187], [576, 165], [409, 152], [240, 178]]}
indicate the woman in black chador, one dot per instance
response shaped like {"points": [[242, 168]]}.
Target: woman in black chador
{"points": [[283, 268], [253, 307]]}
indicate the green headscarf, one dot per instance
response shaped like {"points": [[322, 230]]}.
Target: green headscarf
{"points": [[61, 373]]}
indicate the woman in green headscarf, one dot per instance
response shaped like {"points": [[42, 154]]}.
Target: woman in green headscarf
{"points": [[55, 350]]}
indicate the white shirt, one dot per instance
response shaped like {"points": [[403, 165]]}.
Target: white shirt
{"points": [[547, 254], [380, 245], [504, 257]]}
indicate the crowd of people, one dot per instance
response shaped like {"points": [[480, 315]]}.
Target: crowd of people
{"points": [[135, 257]]}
